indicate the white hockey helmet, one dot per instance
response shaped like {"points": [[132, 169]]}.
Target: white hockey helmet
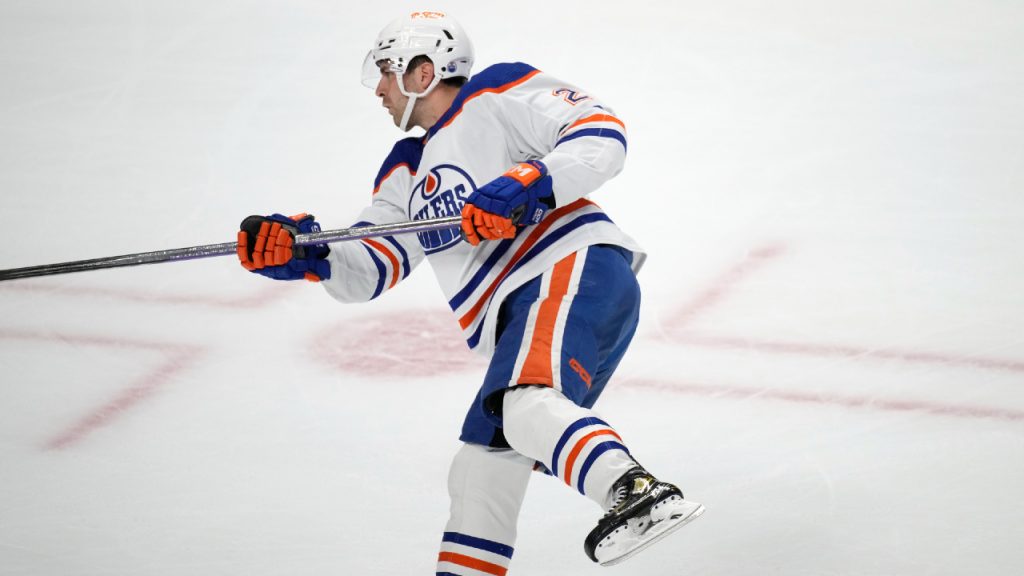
{"points": [[432, 34]]}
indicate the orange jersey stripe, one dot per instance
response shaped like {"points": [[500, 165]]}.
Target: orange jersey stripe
{"points": [[579, 448], [532, 239], [390, 172], [470, 562], [537, 367], [390, 256], [595, 118], [483, 91]]}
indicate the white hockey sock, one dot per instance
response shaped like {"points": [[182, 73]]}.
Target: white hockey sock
{"points": [[573, 442], [486, 487]]}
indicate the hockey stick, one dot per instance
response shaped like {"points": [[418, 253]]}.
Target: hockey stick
{"points": [[210, 250]]}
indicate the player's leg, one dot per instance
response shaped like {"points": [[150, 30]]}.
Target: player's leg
{"points": [[566, 332], [571, 337], [586, 453], [486, 486]]}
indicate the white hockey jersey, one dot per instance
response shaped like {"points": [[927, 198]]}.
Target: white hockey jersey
{"points": [[506, 114]]}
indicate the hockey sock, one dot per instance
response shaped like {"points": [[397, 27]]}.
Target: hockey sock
{"points": [[575, 444], [486, 487]]}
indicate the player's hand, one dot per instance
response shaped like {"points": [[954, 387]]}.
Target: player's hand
{"points": [[519, 197], [265, 246]]}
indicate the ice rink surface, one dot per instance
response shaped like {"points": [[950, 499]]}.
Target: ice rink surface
{"points": [[830, 356]]}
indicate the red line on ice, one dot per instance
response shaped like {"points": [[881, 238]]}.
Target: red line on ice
{"points": [[143, 388], [177, 358], [719, 289], [865, 402]]}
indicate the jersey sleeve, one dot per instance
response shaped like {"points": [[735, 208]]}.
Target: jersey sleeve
{"points": [[362, 270], [581, 140]]}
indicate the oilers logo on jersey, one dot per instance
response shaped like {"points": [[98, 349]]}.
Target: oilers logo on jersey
{"points": [[441, 193]]}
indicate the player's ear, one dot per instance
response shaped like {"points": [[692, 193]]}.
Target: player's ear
{"points": [[425, 73]]}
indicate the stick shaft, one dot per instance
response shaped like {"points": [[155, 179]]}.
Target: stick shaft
{"points": [[211, 250]]}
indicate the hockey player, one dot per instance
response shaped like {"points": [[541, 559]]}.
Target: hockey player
{"points": [[539, 278]]}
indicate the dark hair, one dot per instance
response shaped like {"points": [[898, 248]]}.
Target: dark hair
{"points": [[454, 82]]}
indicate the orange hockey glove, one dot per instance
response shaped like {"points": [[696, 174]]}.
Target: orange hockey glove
{"points": [[266, 247], [518, 198]]}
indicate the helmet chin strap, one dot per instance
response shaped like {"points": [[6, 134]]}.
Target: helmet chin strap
{"points": [[412, 96]]}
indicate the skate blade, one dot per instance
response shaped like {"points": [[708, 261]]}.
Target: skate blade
{"points": [[629, 547]]}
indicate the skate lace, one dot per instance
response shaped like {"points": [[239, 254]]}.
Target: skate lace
{"points": [[620, 496]]}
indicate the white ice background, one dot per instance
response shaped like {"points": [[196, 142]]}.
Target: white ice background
{"points": [[830, 356]]}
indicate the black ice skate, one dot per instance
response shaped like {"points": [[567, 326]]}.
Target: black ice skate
{"points": [[645, 511]]}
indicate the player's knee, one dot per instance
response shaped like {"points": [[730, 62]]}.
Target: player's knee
{"points": [[526, 400], [526, 407]]}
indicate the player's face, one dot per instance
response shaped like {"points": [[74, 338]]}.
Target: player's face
{"points": [[390, 94]]}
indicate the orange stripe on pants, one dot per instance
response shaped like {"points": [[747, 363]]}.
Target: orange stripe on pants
{"points": [[537, 367], [470, 562]]}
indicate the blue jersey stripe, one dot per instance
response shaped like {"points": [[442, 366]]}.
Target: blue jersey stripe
{"points": [[478, 543], [598, 132], [474, 282], [480, 274], [558, 234], [594, 454], [391, 239], [381, 271], [572, 429], [405, 255], [474, 338], [539, 247]]}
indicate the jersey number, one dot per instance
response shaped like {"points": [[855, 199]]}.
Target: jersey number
{"points": [[571, 96]]}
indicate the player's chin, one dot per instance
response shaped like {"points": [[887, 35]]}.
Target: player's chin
{"points": [[398, 124]]}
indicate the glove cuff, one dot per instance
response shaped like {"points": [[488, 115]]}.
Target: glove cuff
{"points": [[321, 270], [528, 173]]}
